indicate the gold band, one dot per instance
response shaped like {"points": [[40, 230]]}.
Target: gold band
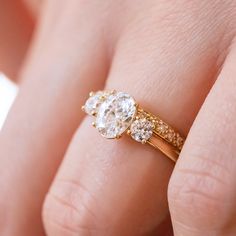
{"points": [[164, 147], [163, 130], [117, 113], [164, 137]]}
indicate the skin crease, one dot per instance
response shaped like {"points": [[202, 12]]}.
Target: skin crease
{"points": [[167, 54]]}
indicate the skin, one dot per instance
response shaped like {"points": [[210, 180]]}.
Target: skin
{"points": [[177, 59], [14, 43]]}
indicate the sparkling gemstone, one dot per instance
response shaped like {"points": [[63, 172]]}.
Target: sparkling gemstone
{"points": [[93, 103], [141, 130], [179, 141], [162, 128], [170, 135], [115, 115]]}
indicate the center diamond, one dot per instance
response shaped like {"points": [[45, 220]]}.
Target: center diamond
{"points": [[115, 115]]}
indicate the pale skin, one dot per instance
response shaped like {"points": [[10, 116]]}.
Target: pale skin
{"points": [[177, 59]]}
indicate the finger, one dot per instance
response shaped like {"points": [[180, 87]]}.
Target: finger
{"points": [[164, 228], [202, 191], [59, 72], [16, 27], [119, 187], [34, 7]]}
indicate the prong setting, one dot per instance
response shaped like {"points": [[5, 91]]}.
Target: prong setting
{"points": [[118, 136], [93, 103], [113, 92], [144, 141], [141, 130], [117, 113], [91, 94]]}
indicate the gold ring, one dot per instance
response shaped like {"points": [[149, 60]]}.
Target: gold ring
{"points": [[118, 113]]}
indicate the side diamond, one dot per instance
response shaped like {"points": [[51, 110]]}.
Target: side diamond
{"points": [[93, 103], [141, 130]]}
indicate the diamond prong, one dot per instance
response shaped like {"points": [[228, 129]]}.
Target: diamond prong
{"points": [[113, 91], [153, 123], [94, 124], [91, 94], [102, 97], [118, 136], [93, 113], [144, 141], [83, 108], [128, 132]]}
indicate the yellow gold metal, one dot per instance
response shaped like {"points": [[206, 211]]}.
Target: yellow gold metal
{"points": [[128, 132], [91, 94], [163, 136], [102, 97], [94, 124], [166, 148], [163, 130], [144, 141]]}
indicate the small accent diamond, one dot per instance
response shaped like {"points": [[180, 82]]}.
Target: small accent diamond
{"points": [[141, 130], [170, 135], [179, 141], [161, 128]]}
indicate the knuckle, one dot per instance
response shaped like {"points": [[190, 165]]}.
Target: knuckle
{"points": [[70, 209], [199, 192]]}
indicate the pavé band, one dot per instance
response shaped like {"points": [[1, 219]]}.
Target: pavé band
{"points": [[118, 113]]}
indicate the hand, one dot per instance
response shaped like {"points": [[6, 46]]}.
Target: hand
{"points": [[170, 56]]}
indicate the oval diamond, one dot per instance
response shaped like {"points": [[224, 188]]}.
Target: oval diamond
{"points": [[115, 115]]}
